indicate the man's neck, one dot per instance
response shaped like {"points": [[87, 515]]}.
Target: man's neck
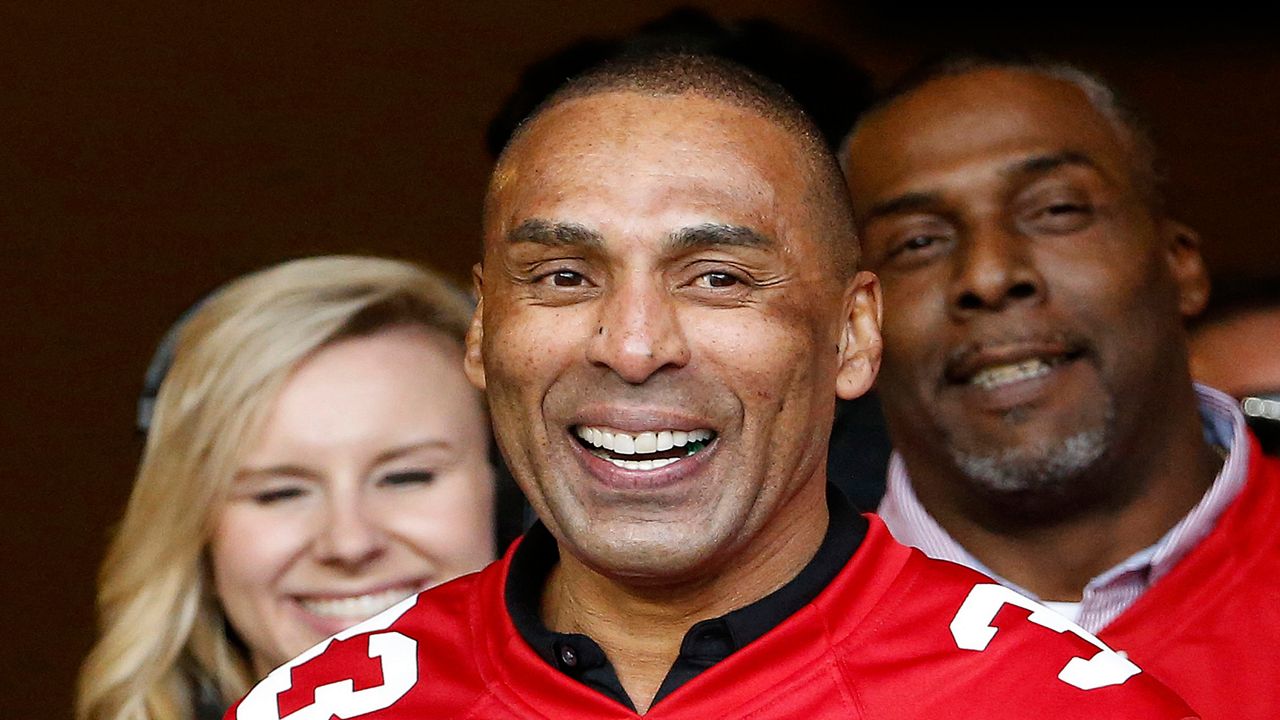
{"points": [[1057, 555], [641, 627]]}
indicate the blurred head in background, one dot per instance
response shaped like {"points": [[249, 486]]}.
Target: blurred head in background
{"points": [[315, 455], [1235, 347]]}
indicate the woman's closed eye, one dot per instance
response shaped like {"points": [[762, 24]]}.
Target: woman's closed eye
{"points": [[409, 477], [276, 495]]}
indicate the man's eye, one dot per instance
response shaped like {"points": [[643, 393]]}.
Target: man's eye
{"points": [[566, 278], [717, 279], [1061, 217], [1065, 209], [915, 244], [409, 477]]}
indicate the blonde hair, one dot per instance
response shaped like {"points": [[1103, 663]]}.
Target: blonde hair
{"points": [[164, 638]]}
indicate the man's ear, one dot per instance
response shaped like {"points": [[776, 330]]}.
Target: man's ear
{"points": [[1186, 265], [860, 345], [473, 359]]}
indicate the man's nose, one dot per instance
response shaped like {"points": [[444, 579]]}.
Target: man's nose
{"points": [[348, 535], [638, 330], [994, 269]]}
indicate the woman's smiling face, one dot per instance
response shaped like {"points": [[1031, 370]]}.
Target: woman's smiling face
{"points": [[369, 481]]}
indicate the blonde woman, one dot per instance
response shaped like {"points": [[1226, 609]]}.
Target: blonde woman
{"points": [[315, 455]]}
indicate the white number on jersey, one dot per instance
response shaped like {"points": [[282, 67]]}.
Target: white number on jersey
{"points": [[972, 630], [392, 657]]}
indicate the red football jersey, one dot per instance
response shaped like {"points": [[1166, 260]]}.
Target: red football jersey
{"points": [[1210, 629], [895, 635]]}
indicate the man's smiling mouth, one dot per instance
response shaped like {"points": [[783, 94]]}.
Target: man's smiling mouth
{"points": [[648, 450], [994, 366], [996, 376]]}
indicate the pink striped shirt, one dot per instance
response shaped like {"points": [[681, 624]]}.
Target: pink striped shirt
{"points": [[1112, 592]]}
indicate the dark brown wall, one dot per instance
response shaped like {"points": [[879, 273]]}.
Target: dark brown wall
{"points": [[149, 154]]}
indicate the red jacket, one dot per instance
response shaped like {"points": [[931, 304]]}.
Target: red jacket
{"points": [[1210, 629], [895, 635]]}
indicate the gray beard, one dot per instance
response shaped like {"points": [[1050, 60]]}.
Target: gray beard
{"points": [[1044, 468]]}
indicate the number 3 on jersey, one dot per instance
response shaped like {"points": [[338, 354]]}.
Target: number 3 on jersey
{"points": [[361, 670], [972, 630]]}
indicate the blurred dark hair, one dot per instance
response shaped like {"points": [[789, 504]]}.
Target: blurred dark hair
{"points": [[827, 85]]}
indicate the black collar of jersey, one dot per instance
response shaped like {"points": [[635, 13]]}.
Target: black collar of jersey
{"points": [[707, 642]]}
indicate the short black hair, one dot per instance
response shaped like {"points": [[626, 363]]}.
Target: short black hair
{"points": [[678, 73], [1146, 165], [831, 88]]}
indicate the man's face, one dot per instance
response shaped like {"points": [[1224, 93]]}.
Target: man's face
{"points": [[1033, 300], [662, 331]]}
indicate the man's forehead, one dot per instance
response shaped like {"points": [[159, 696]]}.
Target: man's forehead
{"points": [[636, 153], [611, 121], [1000, 118], [972, 100]]}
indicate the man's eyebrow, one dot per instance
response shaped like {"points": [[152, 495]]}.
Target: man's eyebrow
{"points": [[544, 232], [1032, 166], [713, 234], [1042, 164], [905, 203]]}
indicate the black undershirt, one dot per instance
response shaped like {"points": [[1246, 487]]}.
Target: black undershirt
{"points": [[707, 642]]}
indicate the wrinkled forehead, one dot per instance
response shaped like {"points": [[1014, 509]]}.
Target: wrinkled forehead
{"points": [[988, 116], [634, 152]]}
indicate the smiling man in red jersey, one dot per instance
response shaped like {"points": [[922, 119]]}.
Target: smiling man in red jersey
{"points": [[670, 305], [1036, 379]]}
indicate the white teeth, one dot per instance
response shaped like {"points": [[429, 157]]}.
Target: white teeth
{"points": [[358, 607], [642, 464], [624, 444], [1000, 375], [641, 443], [646, 443]]}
